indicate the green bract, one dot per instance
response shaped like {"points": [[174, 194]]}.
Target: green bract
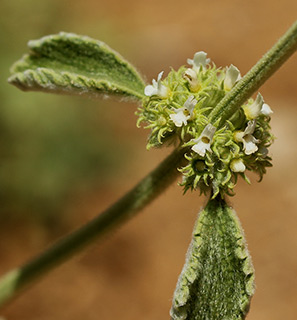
{"points": [[217, 280], [176, 110]]}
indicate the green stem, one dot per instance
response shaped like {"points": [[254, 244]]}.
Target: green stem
{"points": [[252, 81], [144, 192]]}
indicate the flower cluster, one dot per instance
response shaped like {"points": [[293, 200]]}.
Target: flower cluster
{"points": [[176, 109]]}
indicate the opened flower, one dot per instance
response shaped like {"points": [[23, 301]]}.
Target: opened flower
{"points": [[247, 138], [253, 110], [199, 60], [182, 115], [202, 144], [157, 88], [191, 76], [232, 76]]}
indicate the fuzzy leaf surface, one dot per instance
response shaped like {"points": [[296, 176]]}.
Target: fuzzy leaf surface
{"points": [[73, 64], [217, 281]]}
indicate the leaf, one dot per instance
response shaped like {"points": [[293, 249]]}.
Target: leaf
{"points": [[217, 281], [69, 63]]}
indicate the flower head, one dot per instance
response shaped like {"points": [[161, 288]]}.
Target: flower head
{"points": [[253, 110], [222, 148], [247, 138], [203, 142], [157, 88], [199, 60], [182, 115], [232, 76]]}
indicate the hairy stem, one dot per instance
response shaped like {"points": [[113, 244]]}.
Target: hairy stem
{"points": [[252, 81], [144, 192]]}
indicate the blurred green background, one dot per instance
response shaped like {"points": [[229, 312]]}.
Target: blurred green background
{"points": [[64, 159], [51, 146]]}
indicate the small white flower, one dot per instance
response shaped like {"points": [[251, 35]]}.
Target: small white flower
{"points": [[232, 76], [191, 76], [202, 144], [237, 165], [254, 110], [247, 138], [266, 110], [182, 115], [157, 88], [199, 60]]}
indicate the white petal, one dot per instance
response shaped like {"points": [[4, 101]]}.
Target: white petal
{"points": [[155, 83], [266, 110], [232, 75], [246, 137], [190, 61], [208, 131], [160, 75], [190, 105], [150, 90], [250, 128], [253, 111], [179, 118], [191, 76], [199, 59], [237, 165], [191, 101], [157, 88], [200, 147], [163, 91], [249, 144], [202, 144]]}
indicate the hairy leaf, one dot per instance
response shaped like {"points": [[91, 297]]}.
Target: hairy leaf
{"points": [[217, 281], [69, 63]]}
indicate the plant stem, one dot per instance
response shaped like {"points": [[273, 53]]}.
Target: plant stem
{"points": [[144, 192], [252, 81]]}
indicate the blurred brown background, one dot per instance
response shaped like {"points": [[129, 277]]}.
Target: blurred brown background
{"points": [[65, 159]]}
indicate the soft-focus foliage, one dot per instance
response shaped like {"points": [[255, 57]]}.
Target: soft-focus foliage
{"points": [[50, 146]]}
